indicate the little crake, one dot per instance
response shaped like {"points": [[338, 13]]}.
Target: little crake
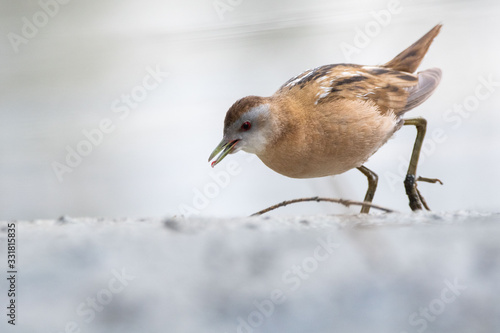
{"points": [[330, 119]]}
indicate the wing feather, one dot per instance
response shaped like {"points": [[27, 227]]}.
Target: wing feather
{"points": [[388, 89]]}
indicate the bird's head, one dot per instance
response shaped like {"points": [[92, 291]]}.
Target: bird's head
{"points": [[248, 126]]}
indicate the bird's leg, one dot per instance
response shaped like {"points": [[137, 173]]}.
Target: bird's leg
{"points": [[372, 186], [416, 199]]}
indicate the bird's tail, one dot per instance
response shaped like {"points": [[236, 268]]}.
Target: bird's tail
{"points": [[428, 81], [409, 59]]}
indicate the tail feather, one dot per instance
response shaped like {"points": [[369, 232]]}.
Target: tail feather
{"points": [[409, 59], [428, 81]]}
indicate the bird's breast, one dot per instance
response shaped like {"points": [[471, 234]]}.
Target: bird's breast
{"points": [[329, 139]]}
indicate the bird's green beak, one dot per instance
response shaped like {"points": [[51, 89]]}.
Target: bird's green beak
{"points": [[225, 147]]}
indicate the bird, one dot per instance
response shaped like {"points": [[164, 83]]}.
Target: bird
{"points": [[333, 118]]}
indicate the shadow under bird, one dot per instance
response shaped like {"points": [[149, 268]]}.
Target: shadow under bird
{"points": [[330, 119]]}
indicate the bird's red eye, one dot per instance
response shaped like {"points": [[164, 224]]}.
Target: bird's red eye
{"points": [[246, 126]]}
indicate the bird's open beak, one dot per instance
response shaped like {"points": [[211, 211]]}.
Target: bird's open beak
{"points": [[225, 147]]}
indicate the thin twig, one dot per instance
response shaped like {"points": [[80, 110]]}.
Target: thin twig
{"points": [[344, 202]]}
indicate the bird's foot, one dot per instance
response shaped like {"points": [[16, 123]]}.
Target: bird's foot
{"points": [[417, 201]]}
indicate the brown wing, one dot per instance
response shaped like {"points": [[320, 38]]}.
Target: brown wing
{"points": [[390, 86], [388, 89]]}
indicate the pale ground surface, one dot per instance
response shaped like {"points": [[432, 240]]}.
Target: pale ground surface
{"points": [[380, 273]]}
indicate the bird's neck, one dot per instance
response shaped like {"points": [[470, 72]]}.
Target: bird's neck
{"points": [[282, 122]]}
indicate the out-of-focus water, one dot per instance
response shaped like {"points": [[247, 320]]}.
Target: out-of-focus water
{"points": [[68, 73]]}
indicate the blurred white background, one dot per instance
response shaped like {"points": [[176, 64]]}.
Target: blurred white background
{"points": [[70, 71]]}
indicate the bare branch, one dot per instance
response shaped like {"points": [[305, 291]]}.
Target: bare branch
{"points": [[346, 203]]}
